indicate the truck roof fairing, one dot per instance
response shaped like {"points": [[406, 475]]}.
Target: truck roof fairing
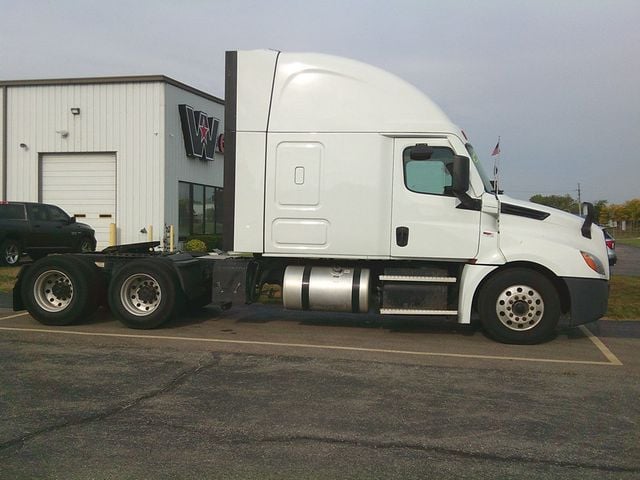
{"points": [[323, 93]]}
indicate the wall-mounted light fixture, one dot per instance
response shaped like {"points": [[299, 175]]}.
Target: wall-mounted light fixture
{"points": [[63, 133], [24, 145], [75, 110]]}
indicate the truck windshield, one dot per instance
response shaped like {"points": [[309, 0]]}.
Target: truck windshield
{"points": [[486, 181]]}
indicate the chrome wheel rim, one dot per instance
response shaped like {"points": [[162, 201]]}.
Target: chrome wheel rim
{"points": [[12, 254], [520, 308], [53, 291], [140, 294]]}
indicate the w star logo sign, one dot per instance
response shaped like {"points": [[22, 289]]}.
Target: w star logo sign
{"points": [[204, 127], [200, 132]]}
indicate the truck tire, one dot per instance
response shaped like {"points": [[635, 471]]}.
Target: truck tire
{"points": [[11, 251], [519, 306], [60, 289], [144, 294]]}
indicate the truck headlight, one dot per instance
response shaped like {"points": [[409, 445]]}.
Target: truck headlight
{"points": [[593, 262]]}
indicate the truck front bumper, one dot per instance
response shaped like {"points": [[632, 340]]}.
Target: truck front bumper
{"points": [[589, 298]]}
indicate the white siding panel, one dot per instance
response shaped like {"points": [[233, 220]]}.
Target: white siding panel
{"points": [[124, 118], [2, 95]]}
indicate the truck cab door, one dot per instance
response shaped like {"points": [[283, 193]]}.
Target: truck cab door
{"points": [[46, 232], [428, 221], [38, 225], [61, 227]]}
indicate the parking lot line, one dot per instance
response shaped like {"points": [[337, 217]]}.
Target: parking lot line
{"points": [[21, 314], [601, 346], [314, 346]]}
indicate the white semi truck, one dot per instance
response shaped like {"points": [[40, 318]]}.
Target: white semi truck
{"points": [[353, 191]]}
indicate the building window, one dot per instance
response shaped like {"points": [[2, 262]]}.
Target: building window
{"points": [[199, 210], [197, 205], [184, 209]]}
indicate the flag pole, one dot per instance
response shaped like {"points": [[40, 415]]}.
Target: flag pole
{"points": [[496, 166], [498, 182]]}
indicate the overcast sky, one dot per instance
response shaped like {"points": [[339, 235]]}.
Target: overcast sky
{"points": [[558, 80]]}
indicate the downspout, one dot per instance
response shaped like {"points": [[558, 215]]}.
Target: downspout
{"points": [[4, 143]]}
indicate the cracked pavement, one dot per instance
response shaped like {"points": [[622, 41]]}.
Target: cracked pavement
{"points": [[110, 408]]}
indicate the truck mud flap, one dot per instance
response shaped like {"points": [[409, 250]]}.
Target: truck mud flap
{"points": [[229, 281], [18, 304]]}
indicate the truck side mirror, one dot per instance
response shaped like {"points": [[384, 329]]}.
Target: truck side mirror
{"points": [[460, 180], [421, 151], [589, 213]]}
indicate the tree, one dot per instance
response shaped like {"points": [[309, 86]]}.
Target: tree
{"points": [[601, 211], [633, 208], [605, 215], [628, 212], [561, 202]]}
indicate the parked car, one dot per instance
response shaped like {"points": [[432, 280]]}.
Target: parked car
{"points": [[38, 229], [611, 248]]}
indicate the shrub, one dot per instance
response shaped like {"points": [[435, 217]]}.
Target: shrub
{"points": [[195, 245], [211, 241]]}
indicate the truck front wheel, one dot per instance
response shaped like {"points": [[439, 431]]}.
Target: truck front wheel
{"points": [[144, 294], [519, 306]]}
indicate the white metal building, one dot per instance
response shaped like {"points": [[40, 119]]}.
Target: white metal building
{"points": [[135, 151]]}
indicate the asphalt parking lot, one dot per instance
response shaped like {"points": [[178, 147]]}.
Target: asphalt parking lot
{"points": [[257, 392]]}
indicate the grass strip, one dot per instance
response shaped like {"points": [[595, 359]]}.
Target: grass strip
{"points": [[624, 298], [8, 278], [632, 242]]}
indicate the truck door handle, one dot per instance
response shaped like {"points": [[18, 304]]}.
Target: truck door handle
{"points": [[402, 236]]}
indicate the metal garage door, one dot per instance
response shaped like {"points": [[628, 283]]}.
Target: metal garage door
{"points": [[83, 185]]}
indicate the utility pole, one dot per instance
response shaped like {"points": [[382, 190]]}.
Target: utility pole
{"points": [[579, 201]]}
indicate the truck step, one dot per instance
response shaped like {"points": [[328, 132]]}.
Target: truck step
{"points": [[410, 311], [416, 278]]}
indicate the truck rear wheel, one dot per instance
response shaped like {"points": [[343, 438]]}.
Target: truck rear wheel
{"points": [[519, 306], [60, 290], [143, 294]]}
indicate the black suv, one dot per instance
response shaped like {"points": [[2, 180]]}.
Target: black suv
{"points": [[38, 229]]}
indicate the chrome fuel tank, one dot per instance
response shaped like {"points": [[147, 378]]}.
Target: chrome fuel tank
{"points": [[338, 289]]}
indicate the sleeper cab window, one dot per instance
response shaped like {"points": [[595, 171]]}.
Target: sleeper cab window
{"points": [[431, 176]]}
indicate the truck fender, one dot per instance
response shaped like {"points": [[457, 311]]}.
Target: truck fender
{"points": [[471, 278]]}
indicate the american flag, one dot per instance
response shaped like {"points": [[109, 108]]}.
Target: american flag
{"points": [[496, 151]]}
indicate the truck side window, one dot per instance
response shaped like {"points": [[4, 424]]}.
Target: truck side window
{"points": [[37, 213], [432, 176], [12, 212], [56, 214]]}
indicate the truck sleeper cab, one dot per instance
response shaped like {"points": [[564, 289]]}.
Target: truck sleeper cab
{"points": [[355, 192]]}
